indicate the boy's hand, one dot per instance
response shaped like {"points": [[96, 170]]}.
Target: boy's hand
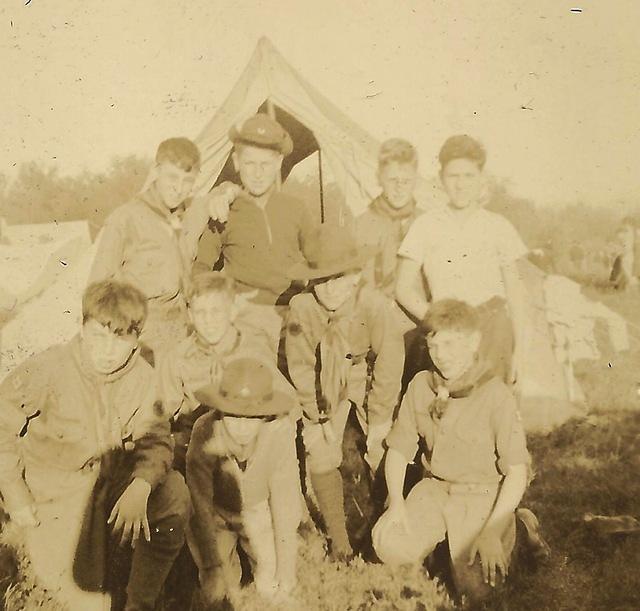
{"points": [[130, 512], [489, 546], [25, 517], [221, 199], [395, 516]]}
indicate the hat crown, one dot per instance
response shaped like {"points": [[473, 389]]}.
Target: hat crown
{"points": [[329, 244], [262, 131], [246, 380]]}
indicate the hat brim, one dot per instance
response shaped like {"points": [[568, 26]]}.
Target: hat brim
{"points": [[278, 404], [302, 271]]}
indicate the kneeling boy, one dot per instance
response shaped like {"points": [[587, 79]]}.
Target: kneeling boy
{"points": [[479, 461], [87, 411], [344, 346], [243, 476]]}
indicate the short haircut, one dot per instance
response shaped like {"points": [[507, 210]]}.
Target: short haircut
{"points": [[181, 152], [450, 314], [462, 147], [210, 282], [118, 306], [397, 150]]}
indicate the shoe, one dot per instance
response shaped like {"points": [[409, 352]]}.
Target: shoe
{"points": [[536, 543]]}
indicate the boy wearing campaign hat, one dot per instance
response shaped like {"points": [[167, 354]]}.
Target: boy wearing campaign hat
{"points": [[220, 332], [242, 472], [334, 333], [151, 241], [261, 237], [477, 458]]}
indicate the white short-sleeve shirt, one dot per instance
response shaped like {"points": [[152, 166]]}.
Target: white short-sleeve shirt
{"points": [[463, 259]]}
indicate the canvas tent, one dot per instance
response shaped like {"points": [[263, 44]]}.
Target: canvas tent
{"points": [[269, 84], [46, 267]]}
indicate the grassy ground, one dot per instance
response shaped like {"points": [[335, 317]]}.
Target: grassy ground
{"points": [[590, 465]]}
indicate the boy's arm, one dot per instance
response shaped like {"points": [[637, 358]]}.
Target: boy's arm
{"points": [[109, 257], [170, 387], [200, 482], [402, 442], [387, 341], [213, 206], [23, 395], [151, 432], [409, 288], [284, 500], [301, 359], [514, 462]]}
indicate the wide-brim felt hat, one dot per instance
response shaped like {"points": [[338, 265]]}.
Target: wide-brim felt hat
{"points": [[246, 390], [331, 250], [262, 131]]}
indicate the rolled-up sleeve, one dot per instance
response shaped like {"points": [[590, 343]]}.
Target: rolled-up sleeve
{"points": [[511, 442], [404, 434]]}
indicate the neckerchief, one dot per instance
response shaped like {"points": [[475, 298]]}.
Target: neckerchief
{"points": [[151, 198], [331, 352], [385, 260], [477, 375]]}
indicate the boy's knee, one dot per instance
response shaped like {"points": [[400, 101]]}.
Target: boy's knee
{"points": [[172, 498], [396, 548]]}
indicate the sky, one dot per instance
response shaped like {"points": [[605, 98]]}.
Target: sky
{"points": [[554, 94]]}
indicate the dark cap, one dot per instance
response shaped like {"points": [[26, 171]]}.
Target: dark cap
{"points": [[262, 131]]}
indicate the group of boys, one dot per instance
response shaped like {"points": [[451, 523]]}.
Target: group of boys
{"points": [[175, 373]]}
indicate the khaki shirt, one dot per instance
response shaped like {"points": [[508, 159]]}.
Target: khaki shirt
{"points": [[370, 322], [72, 415], [140, 245], [477, 439]]}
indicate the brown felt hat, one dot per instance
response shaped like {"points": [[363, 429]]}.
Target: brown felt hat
{"points": [[246, 390], [330, 250], [262, 131]]}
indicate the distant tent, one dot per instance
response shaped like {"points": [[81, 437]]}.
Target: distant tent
{"points": [[46, 267], [270, 85]]}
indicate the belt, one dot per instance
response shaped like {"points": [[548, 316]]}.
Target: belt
{"points": [[468, 488]]}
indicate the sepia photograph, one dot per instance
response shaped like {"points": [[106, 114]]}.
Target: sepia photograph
{"points": [[319, 305]]}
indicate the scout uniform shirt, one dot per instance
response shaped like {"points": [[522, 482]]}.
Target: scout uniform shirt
{"points": [[259, 245], [366, 321], [71, 416], [224, 492], [384, 228], [475, 441]]}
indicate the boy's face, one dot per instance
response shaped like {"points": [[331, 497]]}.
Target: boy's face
{"points": [[242, 430], [463, 181], [258, 168], [174, 184], [106, 351], [336, 291], [453, 351], [212, 315], [398, 181]]}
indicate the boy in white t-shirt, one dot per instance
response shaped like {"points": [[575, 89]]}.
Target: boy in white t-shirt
{"points": [[467, 253]]}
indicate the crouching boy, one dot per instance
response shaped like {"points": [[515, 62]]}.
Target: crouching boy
{"points": [[220, 333], [479, 461], [243, 476], [343, 346], [95, 451]]}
